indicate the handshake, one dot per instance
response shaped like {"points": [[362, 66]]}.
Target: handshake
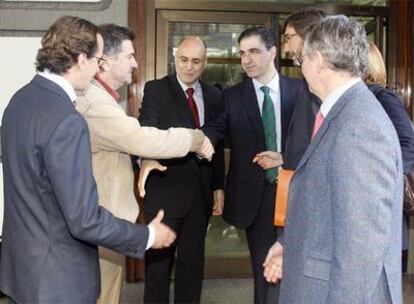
{"points": [[206, 150]]}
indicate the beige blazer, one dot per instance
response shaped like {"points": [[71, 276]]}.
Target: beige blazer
{"points": [[114, 136]]}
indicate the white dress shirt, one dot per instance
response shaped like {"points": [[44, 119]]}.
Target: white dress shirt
{"points": [[197, 96], [333, 97]]}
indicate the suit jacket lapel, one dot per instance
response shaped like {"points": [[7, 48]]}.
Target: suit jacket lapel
{"points": [[208, 113], [251, 104], [286, 105], [180, 99]]}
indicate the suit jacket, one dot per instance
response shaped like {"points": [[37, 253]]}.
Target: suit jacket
{"points": [[246, 180], [395, 109], [342, 239], [52, 221], [165, 105], [114, 136], [300, 127]]}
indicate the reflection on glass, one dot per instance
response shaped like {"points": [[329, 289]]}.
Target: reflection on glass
{"points": [[355, 2], [222, 49]]}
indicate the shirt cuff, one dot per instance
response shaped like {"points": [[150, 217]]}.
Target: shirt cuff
{"points": [[151, 237]]}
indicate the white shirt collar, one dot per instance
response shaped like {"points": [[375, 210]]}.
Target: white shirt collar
{"points": [[195, 86], [61, 82], [273, 84], [333, 97]]}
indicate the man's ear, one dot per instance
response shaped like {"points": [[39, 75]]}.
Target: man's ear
{"points": [[273, 50], [82, 61], [106, 64], [321, 63]]}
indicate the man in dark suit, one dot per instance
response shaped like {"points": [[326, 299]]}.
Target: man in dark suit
{"points": [[185, 190], [52, 221], [250, 189], [295, 27]]}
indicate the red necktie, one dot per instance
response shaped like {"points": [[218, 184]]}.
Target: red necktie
{"points": [[317, 124], [193, 107]]}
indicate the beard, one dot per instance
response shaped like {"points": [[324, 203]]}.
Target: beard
{"points": [[293, 57]]}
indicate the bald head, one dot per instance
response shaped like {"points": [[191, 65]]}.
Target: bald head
{"points": [[190, 59]]}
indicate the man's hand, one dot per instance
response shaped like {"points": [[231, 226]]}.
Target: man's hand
{"points": [[268, 159], [206, 150], [218, 202], [273, 263], [147, 165], [164, 236]]}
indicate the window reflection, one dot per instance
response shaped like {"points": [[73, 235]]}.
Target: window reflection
{"points": [[223, 66]]}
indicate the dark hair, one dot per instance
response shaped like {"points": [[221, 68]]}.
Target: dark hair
{"points": [[302, 21], [64, 41], [267, 35], [113, 35]]}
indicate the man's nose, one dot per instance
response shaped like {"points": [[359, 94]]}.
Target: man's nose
{"points": [[286, 47], [189, 65], [247, 58], [134, 63]]}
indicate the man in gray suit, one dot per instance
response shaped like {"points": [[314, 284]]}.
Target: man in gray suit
{"points": [[342, 241], [52, 221]]}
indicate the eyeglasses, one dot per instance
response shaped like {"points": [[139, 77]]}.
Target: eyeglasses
{"points": [[100, 60], [299, 58], [287, 37]]}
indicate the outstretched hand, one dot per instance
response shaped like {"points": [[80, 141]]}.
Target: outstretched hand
{"points": [[268, 159], [147, 165], [164, 235], [206, 150]]}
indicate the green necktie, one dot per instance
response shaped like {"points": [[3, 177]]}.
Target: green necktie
{"points": [[269, 127]]}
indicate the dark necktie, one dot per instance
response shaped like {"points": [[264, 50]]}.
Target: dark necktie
{"points": [[269, 128], [318, 123], [193, 107]]}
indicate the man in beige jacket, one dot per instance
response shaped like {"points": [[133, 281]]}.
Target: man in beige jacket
{"points": [[114, 136]]}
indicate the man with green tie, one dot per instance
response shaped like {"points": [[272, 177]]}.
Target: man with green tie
{"points": [[257, 118]]}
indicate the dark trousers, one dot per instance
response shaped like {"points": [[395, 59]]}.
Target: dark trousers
{"points": [[189, 266], [261, 235]]}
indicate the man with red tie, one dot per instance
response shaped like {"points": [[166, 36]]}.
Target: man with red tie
{"points": [[186, 190]]}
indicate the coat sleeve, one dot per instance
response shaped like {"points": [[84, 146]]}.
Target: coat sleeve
{"points": [[402, 123], [67, 159], [365, 181], [113, 130], [218, 167], [215, 129]]}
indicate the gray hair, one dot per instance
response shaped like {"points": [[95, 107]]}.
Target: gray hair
{"points": [[342, 42]]}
